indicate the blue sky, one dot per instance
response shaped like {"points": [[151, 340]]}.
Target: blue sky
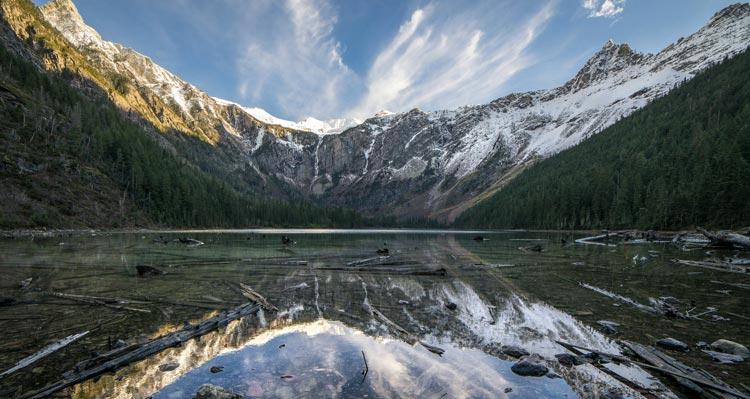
{"points": [[336, 58]]}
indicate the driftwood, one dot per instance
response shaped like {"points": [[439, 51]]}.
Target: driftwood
{"points": [[250, 294], [113, 303], [621, 298], [136, 353], [47, 350], [645, 392], [694, 380], [405, 335], [675, 369], [413, 271], [727, 239], [715, 265], [366, 261]]}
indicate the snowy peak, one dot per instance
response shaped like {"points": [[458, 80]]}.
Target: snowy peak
{"points": [[64, 16], [308, 124], [611, 59]]}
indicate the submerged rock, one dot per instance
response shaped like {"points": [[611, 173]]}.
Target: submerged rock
{"points": [[609, 327], [731, 347], [144, 271], [514, 351], [168, 366], [208, 391], [671, 343], [724, 358], [530, 366], [565, 358]]}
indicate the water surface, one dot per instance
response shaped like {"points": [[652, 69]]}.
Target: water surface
{"points": [[505, 291]]}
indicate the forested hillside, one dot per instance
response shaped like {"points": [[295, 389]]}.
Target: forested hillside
{"points": [[72, 160], [683, 160]]}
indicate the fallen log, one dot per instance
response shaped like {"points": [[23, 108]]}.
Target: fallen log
{"points": [[701, 379], [723, 266], [112, 303], [686, 376], [366, 261], [146, 350], [645, 392], [390, 270], [250, 294], [47, 350], [726, 238], [620, 298]]}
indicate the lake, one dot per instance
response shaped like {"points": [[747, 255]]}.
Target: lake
{"points": [[426, 319]]}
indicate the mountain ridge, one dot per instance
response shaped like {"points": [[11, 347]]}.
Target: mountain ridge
{"points": [[436, 163]]}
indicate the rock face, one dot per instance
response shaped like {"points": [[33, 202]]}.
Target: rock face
{"points": [[733, 348], [415, 163]]}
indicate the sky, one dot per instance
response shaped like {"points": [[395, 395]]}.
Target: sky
{"points": [[353, 58]]}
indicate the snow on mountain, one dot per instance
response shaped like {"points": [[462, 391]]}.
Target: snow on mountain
{"points": [[309, 124], [419, 163]]}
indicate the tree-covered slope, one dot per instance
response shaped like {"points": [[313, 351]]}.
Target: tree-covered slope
{"points": [[682, 160], [71, 159]]}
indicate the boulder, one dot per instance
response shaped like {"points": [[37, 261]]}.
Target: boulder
{"points": [[731, 347], [514, 351], [565, 359], [530, 366], [208, 391]]}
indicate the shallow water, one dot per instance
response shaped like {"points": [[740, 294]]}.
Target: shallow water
{"points": [[504, 293]]}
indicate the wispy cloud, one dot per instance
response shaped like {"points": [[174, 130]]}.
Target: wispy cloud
{"points": [[443, 56], [606, 9], [299, 63], [439, 59]]}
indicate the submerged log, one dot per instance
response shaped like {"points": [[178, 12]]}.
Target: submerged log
{"points": [[727, 239], [47, 350], [112, 303], [620, 298], [252, 295], [715, 265], [674, 368], [688, 377], [141, 352]]}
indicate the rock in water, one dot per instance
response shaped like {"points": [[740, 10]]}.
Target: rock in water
{"points": [[168, 366], [565, 358], [208, 391], [530, 366], [514, 351], [610, 327], [727, 346], [671, 343], [145, 271], [724, 358]]}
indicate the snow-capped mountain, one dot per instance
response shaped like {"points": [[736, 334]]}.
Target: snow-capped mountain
{"points": [[420, 163], [309, 124]]}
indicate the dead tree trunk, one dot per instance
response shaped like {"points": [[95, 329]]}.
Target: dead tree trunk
{"points": [[727, 239]]}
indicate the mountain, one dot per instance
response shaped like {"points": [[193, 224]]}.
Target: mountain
{"points": [[76, 153], [683, 160], [411, 164]]}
